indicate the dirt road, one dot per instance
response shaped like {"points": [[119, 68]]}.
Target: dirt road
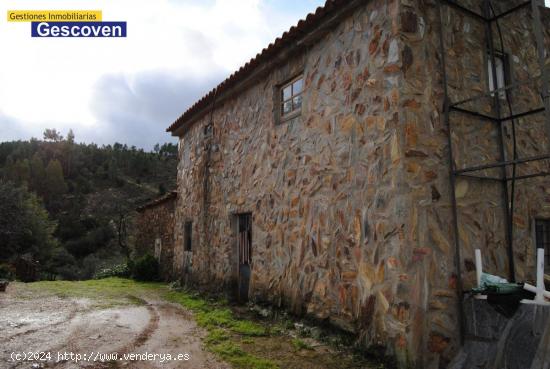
{"points": [[75, 325]]}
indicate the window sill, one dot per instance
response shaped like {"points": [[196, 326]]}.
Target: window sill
{"points": [[289, 117]]}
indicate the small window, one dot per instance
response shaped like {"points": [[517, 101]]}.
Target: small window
{"points": [[208, 130], [542, 234], [291, 98], [158, 248], [501, 69], [188, 229]]}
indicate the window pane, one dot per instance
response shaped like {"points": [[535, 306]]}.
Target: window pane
{"points": [[287, 107], [287, 93], [501, 80], [297, 86], [297, 102]]}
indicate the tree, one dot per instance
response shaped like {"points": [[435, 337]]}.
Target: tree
{"points": [[169, 150], [51, 134], [21, 171], [37, 173], [70, 136], [25, 226], [68, 152], [54, 182]]}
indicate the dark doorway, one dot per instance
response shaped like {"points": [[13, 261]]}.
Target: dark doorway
{"points": [[245, 255], [187, 234]]}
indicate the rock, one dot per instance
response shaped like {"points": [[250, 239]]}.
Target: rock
{"points": [[393, 52], [461, 189], [437, 342], [407, 58]]}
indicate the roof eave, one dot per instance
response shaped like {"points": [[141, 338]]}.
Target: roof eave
{"points": [[294, 41]]}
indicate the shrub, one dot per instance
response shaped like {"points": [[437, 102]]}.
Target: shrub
{"points": [[61, 264], [25, 225], [120, 270], [7, 272], [92, 241], [70, 272], [146, 268], [89, 266]]}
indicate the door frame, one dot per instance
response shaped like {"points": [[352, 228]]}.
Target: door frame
{"points": [[242, 258]]}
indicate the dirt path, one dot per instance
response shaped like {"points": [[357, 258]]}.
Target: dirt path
{"points": [[53, 324]]}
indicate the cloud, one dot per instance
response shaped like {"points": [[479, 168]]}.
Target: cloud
{"points": [[129, 90], [137, 109], [11, 128]]}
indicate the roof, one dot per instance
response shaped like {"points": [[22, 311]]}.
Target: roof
{"points": [[158, 201], [305, 26]]}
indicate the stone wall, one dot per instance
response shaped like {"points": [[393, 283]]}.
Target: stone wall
{"points": [[350, 202], [475, 141], [155, 222]]}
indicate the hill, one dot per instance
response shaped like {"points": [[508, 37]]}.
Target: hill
{"points": [[90, 193]]}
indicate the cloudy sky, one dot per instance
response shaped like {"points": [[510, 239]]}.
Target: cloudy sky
{"points": [[129, 89]]}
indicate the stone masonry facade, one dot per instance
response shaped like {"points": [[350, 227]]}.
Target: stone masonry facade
{"points": [[350, 201], [155, 232]]}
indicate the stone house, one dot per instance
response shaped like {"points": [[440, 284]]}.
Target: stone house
{"points": [[155, 232], [318, 177]]}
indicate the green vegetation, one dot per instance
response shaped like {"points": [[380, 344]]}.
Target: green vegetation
{"points": [[71, 206], [233, 354], [225, 331], [301, 344], [7, 272], [146, 268], [25, 226], [121, 270]]}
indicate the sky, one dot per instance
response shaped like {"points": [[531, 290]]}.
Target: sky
{"points": [[130, 89]]}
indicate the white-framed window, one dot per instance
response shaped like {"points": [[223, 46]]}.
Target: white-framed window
{"points": [[501, 70], [290, 98]]}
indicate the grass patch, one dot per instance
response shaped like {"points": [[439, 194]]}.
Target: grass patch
{"points": [[215, 314], [233, 354], [216, 336], [108, 292], [248, 328], [301, 344], [226, 332], [215, 318]]}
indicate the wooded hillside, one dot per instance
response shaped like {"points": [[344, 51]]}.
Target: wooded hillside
{"points": [[82, 198]]}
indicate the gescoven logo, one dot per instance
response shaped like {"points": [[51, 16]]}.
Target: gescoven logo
{"points": [[78, 29]]}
